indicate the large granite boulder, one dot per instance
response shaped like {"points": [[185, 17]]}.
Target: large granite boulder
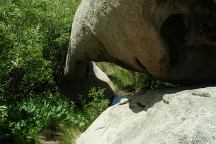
{"points": [[174, 40], [172, 116]]}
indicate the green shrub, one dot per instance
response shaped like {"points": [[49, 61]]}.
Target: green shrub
{"points": [[96, 105], [35, 114], [27, 119], [34, 38], [92, 106], [3, 114]]}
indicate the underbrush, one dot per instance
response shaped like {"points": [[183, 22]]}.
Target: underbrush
{"points": [[34, 38], [28, 119]]}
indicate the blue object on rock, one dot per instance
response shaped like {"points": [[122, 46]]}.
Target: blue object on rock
{"points": [[117, 99]]}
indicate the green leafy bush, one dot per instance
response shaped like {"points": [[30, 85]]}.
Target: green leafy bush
{"points": [[25, 120], [34, 38], [96, 105], [3, 113], [34, 114], [92, 106]]}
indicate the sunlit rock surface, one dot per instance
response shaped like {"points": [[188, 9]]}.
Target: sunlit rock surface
{"points": [[171, 116]]}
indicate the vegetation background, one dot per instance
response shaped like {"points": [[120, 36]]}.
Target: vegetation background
{"points": [[34, 38]]}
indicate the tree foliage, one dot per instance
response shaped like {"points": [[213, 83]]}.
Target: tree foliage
{"points": [[34, 38]]}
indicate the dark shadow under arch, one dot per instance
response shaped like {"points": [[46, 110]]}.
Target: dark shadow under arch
{"points": [[173, 32]]}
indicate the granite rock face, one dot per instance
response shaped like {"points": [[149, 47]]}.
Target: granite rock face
{"points": [[174, 40], [171, 116]]}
